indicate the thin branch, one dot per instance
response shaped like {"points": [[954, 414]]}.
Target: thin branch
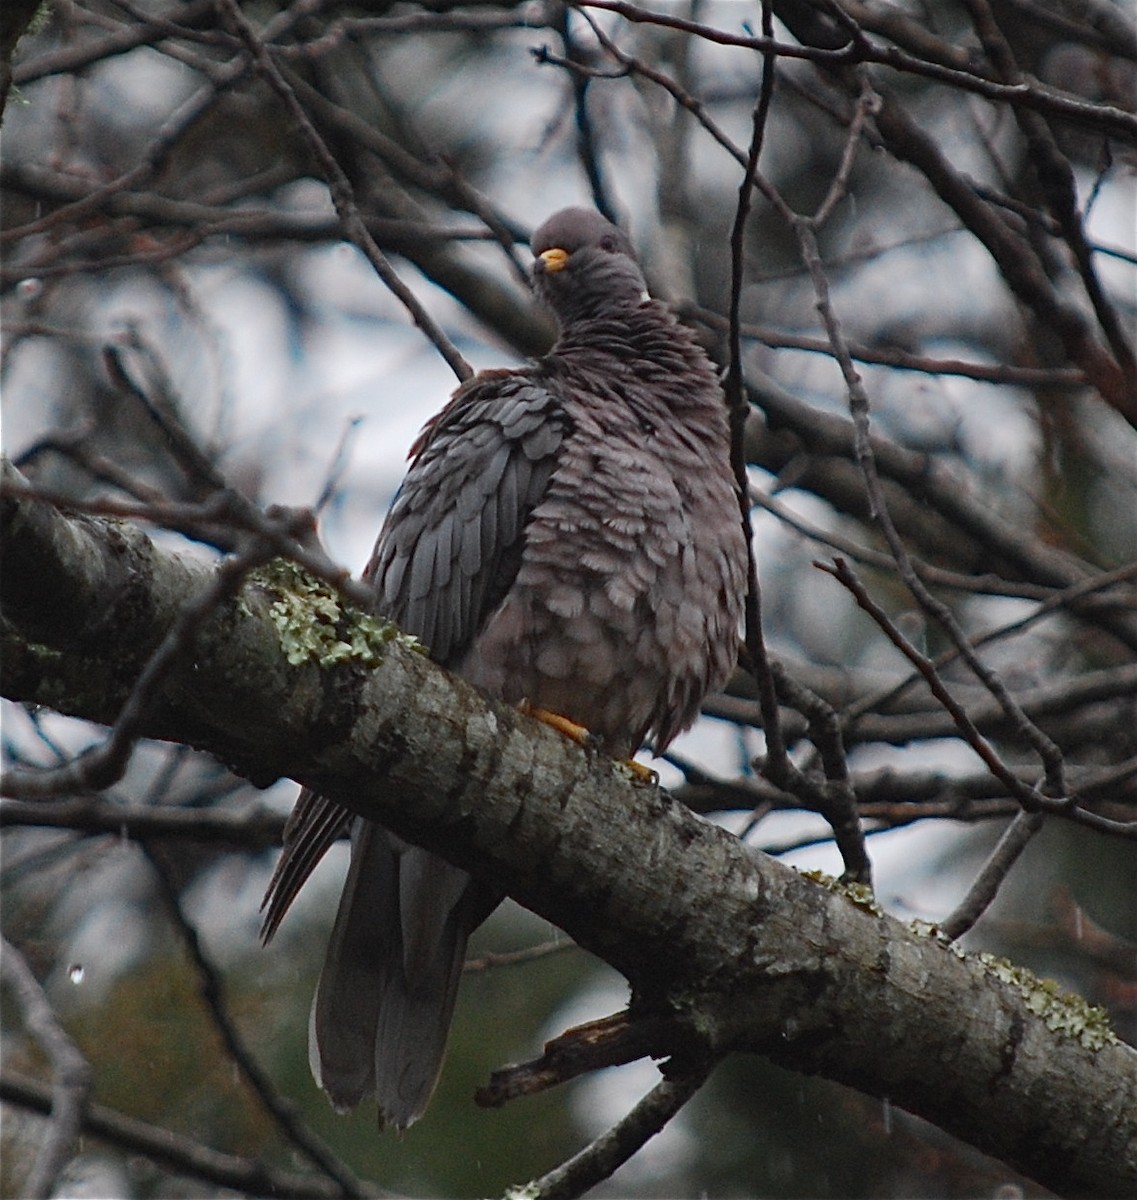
{"points": [[342, 193], [491, 960], [1031, 798], [74, 445], [777, 764], [1056, 177], [679, 94], [252, 829], [600, 1159], [868, 104], [1064, 378], [161, 407], [850, 51], [345, 28], [178, 1154], [995, 870], [836, 801], [71, 1074], [333, 477], [588, 149], [284, 1114], [1047, 751]]}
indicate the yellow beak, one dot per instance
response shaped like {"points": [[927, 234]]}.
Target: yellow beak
{"points": [[554, 259]]}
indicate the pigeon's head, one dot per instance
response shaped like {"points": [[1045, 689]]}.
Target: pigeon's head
{"points": [[585, 266]]}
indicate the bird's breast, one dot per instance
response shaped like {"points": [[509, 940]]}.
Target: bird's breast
{"points": [[625, 609]]}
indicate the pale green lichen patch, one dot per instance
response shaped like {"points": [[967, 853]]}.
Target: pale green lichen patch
{"points": [[934, 933], [1063, 1012], [928, 929], [522, 1191], [859, 894], [314, 625]]}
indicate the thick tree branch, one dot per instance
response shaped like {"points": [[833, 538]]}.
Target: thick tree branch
{"points": [[736, 951]]}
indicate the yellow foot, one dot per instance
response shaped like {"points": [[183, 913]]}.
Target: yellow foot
{"points": [[638, 772], [577, 733], [570, 729]]}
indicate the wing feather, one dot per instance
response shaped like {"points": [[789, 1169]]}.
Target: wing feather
{"points": [[447, 554], [449, 548]]}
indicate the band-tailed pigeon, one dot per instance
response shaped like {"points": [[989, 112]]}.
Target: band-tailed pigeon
{"points": [[568, 534]]}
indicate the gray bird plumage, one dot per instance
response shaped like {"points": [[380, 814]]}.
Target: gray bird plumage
{"points": [[568, 533]]}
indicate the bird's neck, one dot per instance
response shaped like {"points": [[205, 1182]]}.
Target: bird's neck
{"points": [[646, 357], [644, 336]]}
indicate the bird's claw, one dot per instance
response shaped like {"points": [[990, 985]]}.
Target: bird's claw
{"points": [[635, 771], [638, 772]]}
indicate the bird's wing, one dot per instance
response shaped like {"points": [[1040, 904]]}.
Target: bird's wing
{"points": [[447, 554], [451, 545]]}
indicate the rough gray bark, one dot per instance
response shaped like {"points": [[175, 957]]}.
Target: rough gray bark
{"points": [[736, 951]]}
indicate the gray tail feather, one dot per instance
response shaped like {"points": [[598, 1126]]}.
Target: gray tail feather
{"points": [[386, 994]]}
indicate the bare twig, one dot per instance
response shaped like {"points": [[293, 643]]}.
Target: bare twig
{"points": [[71, 1074], [1056, 178], [513, 958], [777, 764], [1031, 798], [588, 148], [159, 404], [179, 1154], [679, 94], [342, 193], [284, 1114], [74, 446], [859, 406], [254, 830], [601, 1158], [995, 870], [860, 49], [835, 802], [1064, 378]]}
